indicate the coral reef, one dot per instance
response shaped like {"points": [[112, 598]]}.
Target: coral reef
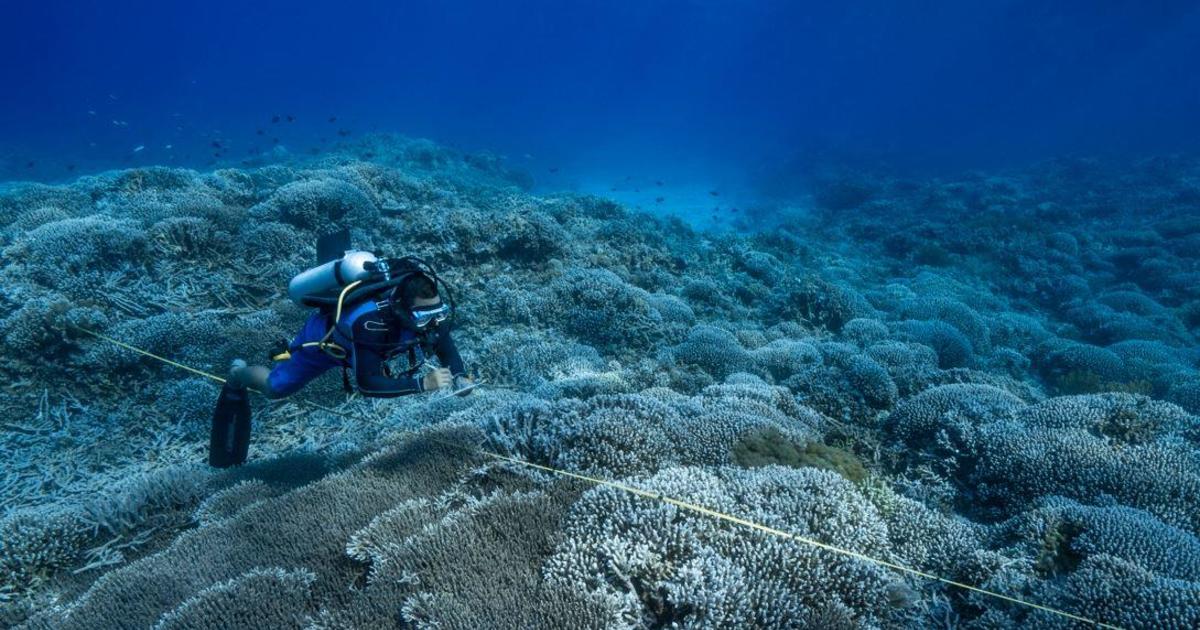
{"points": [[992, 378]]}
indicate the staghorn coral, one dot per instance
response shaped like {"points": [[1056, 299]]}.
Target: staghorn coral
{"points": [[259, 598], [943, 422], [661, 565], [319, 204], [1084, 531], [78, 243], [599, 308], [952, 347], [34, 544], [818, 302], [1017, 463], [1105, 587], [714, 350]]}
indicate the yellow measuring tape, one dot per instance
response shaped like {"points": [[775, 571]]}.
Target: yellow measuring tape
{"points": [[692, 507]]}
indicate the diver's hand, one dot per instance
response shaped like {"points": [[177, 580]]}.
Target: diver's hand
{"points": [[461, 381], [437, 379]]}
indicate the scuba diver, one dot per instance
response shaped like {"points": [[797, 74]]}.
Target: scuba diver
{"points": [[369, 311]]}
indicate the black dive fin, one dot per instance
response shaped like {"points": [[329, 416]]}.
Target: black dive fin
{"points": [[332, 246], [230, 438]]}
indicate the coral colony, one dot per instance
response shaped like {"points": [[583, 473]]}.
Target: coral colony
{"points": [[992, 379]]}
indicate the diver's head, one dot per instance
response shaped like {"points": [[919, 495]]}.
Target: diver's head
{"points": [[416, 304]]}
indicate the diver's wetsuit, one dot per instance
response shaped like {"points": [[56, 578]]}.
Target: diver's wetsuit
{"points": [[376, 337]]}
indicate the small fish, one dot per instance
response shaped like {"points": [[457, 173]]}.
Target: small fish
{"points": [[369, 154], [343, 132], [291, 118], [275, 118], [274, 140], [71, 168], [658, 182], [216, 154], [659, 199], [260, 132], [714, 193], [139, 148], [112, 96], [216, 144], [553, 169], [527, 156], [733, 209], [30, 164], [169, 147], [91, 112], [120, 123], [333, 119]]}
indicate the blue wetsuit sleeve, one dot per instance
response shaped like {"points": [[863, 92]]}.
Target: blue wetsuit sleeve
{"points": [[368, 368], [447, 353]]}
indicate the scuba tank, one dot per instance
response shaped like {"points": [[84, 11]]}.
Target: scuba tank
{"points": [[343, 278], [309, 287]]}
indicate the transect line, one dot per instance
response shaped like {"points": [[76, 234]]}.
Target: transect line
{"points": [[692, 507]]}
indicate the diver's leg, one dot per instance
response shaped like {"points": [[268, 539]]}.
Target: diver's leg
{"points": [[251, 376], [229, 439]]}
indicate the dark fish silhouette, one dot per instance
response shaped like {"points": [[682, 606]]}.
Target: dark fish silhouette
{"points": [[659, 199], [658, 182], [275, 118], [333, 119], [714, 193], [291, 118], [553, 169], [216, 144], [71, 167], [30, 164], [343, 132], [261, 132]]}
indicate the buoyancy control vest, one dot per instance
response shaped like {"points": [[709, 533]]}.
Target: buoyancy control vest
{"points": [[347, 288]]}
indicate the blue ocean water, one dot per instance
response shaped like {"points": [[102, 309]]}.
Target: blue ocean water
{"points": [[587, 94]]}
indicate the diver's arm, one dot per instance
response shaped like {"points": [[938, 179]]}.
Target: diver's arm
{"points": [[447, 353], [368, 373], [368, 368]]}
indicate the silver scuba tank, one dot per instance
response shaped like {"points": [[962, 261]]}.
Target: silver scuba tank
{"points": [[330, 277]]}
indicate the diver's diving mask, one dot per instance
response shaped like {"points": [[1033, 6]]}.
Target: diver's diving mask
{"points": [[422, 317]]}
